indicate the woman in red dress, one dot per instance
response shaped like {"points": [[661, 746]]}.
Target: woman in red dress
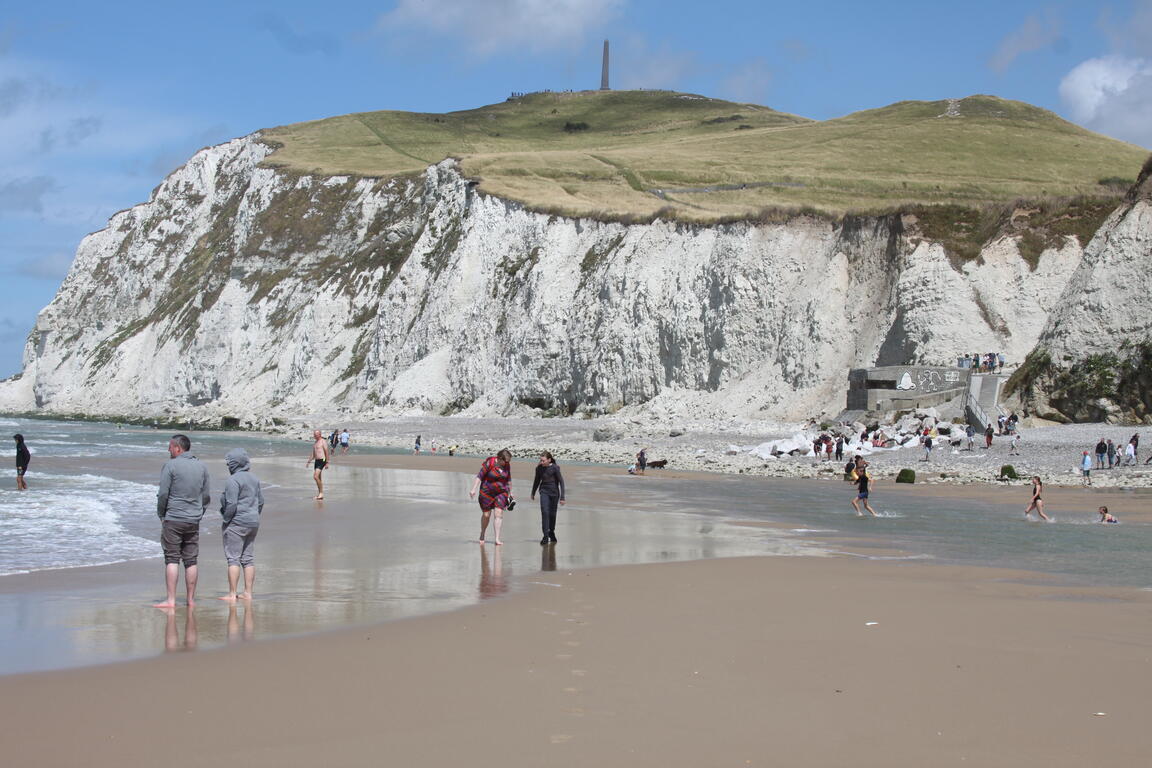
{"points": [[494, 482]]}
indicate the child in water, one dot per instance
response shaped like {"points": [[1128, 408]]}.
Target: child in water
{"points": [[1106, 516]]}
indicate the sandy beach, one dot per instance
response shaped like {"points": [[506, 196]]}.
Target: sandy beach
{"points": [[538, 658]]}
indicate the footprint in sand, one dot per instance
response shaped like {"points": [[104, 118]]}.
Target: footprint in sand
{"points": [[571, 690], [563, 655], [572, 643], [560, 738], [579, 672]]}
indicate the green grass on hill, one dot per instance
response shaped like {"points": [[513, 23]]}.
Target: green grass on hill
{"points": [[633, 153]]}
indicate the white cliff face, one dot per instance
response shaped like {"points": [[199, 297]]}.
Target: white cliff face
{"points": [[1093, 359], [239, 290]]}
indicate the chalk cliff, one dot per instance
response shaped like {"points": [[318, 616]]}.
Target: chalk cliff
{"points": [[243, 291], [1093, 360]]}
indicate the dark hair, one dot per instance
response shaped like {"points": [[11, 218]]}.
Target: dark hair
{"points": [[504, 455], [19, 437], [546, 455], [182, 441]]}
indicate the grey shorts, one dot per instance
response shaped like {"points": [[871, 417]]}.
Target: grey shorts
{"points": [[180, 541], [240, 544]]}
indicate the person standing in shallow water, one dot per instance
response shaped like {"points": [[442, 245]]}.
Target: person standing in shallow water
{"points": [[319, 458], [494, 483], [240, 507], [180, 504], [1037, 502], [550, 483], [23, 456]]}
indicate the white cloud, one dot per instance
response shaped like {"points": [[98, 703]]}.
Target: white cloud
{"points": [[1112, 95], [495, 25], [636, 65], [748, 83], [1037, 32]]}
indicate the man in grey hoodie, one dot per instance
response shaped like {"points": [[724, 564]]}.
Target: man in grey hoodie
{"points": [[180, 503], [240, 506]]}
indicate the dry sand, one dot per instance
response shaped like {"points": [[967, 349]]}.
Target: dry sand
{"points": [[793, 661]]}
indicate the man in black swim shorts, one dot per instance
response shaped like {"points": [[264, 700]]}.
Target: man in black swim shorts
{"points": [[319, 460]]}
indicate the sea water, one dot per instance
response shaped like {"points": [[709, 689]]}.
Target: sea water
{"points": [[70, 516]]}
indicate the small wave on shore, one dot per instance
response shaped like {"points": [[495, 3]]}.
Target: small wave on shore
{"points": [[66, 521]]}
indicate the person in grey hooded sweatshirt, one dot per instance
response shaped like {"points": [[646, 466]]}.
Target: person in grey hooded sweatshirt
{"points": [[240, 506]]}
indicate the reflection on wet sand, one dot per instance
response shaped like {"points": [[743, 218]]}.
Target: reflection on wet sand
{"points": [[172, 636], [548, 557], [492, 582], [235, 634]]}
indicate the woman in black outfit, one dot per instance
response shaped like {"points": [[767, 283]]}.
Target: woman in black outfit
{"points": [[23, 456], [550, 483]]}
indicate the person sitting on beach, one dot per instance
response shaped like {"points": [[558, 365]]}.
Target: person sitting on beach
{"points": [[1106, 516], [863, 481], [318, 458], [240, 507], [494, 482], [1037, 502]]}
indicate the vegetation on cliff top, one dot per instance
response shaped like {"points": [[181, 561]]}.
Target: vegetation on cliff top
{"points": [[697, 158]]}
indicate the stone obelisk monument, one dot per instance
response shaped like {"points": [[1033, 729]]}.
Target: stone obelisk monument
{"points": [[604, 70]]}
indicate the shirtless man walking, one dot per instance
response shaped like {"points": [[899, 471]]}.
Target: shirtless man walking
{"points": [[318, 458]]}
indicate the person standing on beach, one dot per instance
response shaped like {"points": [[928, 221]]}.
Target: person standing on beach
{"points": [[1111, 453], [926, 441], [1037, 502], [641, 461], [240, 507], [494, 482], [550, 483], [180, 504], [839, 448], [416, 448], [319, 458], [1101, 453], [988, 434], [1130, 453], [345, 438], [863, 481], [1014, 449], [23, 456], [970, 433], [1086, 468]]}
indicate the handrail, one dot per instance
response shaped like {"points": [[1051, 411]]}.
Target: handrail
{"points": [[972, 404]]}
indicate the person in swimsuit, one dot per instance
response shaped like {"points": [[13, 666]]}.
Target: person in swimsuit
{"points": [[1037, 502], [1106, 516], [863, 480], [318, 458], [23, 456], [494, 483]]}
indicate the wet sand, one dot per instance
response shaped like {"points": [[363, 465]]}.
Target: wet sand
{"points": [[744, 661], [756, 661]]}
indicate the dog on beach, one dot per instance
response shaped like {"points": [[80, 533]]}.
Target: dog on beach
{"points": [[658, 464]]}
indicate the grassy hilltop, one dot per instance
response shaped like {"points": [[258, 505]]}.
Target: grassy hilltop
{"points": [[621, 153]]}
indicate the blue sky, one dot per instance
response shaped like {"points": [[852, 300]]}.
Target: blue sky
{"points": [[99, 101]]}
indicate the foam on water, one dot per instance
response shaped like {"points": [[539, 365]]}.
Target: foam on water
{"points": [[66, 521]]}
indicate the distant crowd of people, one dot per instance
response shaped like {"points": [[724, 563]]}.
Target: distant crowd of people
{"points": [[989, 362]]}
